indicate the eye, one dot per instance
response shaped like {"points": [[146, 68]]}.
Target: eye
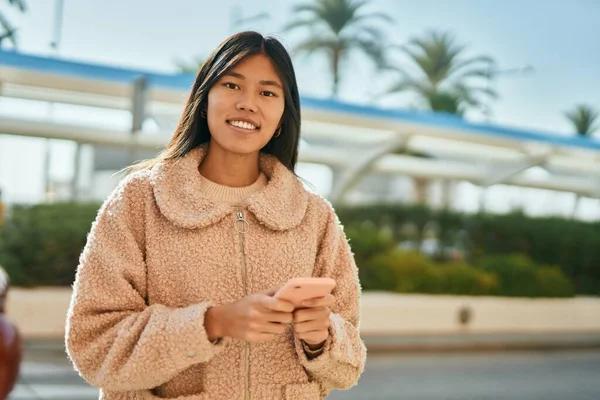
{"points": [[230, 85], [266, 93]]}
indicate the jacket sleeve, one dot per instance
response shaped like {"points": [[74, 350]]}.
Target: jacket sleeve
{"points": [[116, 340], [342, 360]]}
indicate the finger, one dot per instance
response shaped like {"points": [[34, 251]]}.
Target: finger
{"points": [[273, 328], [310, 314], [270, 292], [312, 326], [319, 301], [264, 327], [273, 304], [279, 317]]}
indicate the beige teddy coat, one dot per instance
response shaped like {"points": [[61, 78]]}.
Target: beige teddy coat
{"points": [[159, 254]]}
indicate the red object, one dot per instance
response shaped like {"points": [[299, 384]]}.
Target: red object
{"points": [[10, 345]]}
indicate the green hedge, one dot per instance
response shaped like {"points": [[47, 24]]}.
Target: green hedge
{"points": [[520, 276], [411, 272], [570, 245], [383, 266], [41, 244]]}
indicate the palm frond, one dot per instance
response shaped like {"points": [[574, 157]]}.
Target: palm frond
{"points": [[9, 31], [345, 28], [302, 23], [444, 76], [20, 4], [374, 16], [448, 102], [371, 49], [308, 8], [373, 33], [472, 73], [466, 95], [406, 85], [486, 63], [313, 44], [584, 119]]}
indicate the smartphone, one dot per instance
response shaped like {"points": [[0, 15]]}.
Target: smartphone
{"points": [[297, 290]]}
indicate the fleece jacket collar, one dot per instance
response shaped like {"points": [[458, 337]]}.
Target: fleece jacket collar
{"points": [[176, 183]]}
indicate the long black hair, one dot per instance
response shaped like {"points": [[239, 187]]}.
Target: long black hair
{"points": [[192, 129]]}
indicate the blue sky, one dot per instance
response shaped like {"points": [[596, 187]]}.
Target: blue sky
{"points": [[556, 37]]}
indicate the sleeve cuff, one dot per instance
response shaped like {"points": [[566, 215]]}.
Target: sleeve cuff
{"points": [[337, 346], [193, 343], [312, 353], [308, 356]]}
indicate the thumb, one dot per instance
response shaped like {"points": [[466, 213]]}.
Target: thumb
{"points": [[270, 292]]}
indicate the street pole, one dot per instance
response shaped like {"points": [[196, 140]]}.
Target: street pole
{"points": [[54, 45], [575, 205]]}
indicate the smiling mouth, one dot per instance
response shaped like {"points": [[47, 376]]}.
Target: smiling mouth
{"points": [[243, 125]]}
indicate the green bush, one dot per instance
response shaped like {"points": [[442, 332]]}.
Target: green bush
{"points": [[571, 245], [368, 241], [41, 244], [574, 246], [518, 275], [461, 278], [554, 283], [411, 272], [403, 272]]}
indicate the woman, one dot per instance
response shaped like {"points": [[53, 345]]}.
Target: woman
{"points": [[173, 297]]}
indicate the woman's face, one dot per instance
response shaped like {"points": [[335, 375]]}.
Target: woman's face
{"points": [[245, 106]]}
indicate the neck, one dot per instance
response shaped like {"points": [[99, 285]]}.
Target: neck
{"points": [[229, 169]]}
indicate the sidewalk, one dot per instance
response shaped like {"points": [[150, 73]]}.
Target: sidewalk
{"points": [[393, 322], [47, 374], [387, 343], [41, 313], [481, 342]]}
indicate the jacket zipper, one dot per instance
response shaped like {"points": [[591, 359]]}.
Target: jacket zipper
{"points": [[241, 226]]}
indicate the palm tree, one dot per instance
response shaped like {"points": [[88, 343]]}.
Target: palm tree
{"points": [[8, 30], [446, 101], [338, 27], [584, 119], [444, 80]]}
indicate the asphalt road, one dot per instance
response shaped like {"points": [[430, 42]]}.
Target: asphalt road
{"points": [[572, 375], [481, 376]]}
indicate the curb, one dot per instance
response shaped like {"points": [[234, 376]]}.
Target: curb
{"points": [[459, 342], [463, 342]]}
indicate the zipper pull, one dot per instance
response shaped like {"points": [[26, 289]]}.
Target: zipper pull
{"points": [[240, 224]]}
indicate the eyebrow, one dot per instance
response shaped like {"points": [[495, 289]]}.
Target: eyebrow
{"points": [[264, 83]]}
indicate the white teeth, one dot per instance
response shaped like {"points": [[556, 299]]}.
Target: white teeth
{"points": [[243, 125]]}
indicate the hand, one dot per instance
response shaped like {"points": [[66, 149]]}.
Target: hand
{"points": [[256, 318], [311, 324]]}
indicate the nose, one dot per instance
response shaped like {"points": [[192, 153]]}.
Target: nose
{"points": [[246, 102]]}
